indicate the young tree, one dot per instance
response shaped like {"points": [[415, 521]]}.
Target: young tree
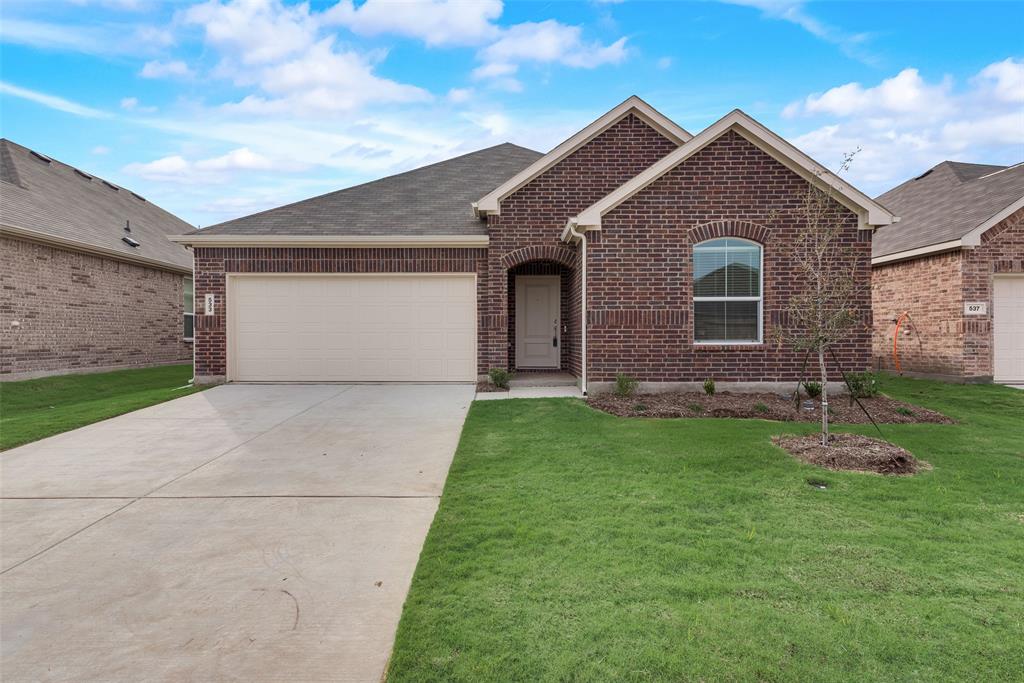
{"points": [[826, 307]]}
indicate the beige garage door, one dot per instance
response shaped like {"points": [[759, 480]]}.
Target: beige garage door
{"points": [[1008, 329], [352, 328]]}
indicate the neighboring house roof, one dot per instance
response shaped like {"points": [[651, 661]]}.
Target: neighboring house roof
{"points": [[46, 200], [434, 200], [491, 202], [871, 213], [946, 208]]}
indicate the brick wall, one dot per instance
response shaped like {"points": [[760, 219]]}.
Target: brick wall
{"points": [[213, 263], [942, 340], [79, 311], [533, 218], [640, 270], [930, 290]]}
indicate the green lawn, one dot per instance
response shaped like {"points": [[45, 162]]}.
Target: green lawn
{"points": [[573, 545], [38, 408]]}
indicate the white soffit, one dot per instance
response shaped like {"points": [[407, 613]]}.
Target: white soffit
{"points": [[491, 203]]}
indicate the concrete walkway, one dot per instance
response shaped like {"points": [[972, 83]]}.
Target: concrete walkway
{"points": [[530, 392], [244, 533]]}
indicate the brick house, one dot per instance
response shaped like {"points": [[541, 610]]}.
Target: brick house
{"points": [[632, 247], [951, 273], [88, 279]]}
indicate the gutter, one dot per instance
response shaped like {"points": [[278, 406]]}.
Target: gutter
{"points": [[337, 241], [73, 245], [569, 234]]}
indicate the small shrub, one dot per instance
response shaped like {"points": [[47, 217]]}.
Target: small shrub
{"points": [[903, 410], [862, 384], [639, 408], [625, 385], [709, 386], [813, 389], [499, 377], [696, 407], [760, 407]]}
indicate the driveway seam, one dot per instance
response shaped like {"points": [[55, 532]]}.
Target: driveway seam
{"points": [[167, 483]]}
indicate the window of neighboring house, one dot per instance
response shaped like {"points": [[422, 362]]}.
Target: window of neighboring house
{"points": [[190, 309], [727, 293]]}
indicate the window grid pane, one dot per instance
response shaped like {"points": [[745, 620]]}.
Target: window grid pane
{"points": [[728, 271]]}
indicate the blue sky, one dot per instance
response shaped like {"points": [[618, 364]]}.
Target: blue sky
{"points": [[220, 108]]}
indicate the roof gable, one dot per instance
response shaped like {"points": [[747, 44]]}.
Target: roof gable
{"points": [[46, 200], [870, 212], [491, 202]]}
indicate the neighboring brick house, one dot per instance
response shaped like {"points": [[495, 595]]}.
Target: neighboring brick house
{"points": [[951, 273], [632, 247], [88, 278]]}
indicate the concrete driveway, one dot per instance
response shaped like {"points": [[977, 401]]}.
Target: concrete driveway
{"points": [[248, 532]]}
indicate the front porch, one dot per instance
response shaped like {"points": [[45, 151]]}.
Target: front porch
{"points": [[543, 334]]}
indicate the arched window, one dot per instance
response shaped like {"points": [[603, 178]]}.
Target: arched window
{"points": [[727, 294]]}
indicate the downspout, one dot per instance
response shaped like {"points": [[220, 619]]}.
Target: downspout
{"points": [[571, 231]]}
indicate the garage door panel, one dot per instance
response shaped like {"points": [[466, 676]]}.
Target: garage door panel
{"points": [[353, 328], [1008, 329]]}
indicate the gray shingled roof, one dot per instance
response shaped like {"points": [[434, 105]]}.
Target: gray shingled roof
{"points": [[44, 195], [432, 200], [945, 203]]}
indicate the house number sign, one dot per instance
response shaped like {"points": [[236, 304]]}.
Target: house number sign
{"points": [[209, 304], [975, 308]]}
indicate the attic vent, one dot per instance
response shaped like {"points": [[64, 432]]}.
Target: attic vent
{"points": [[129, 241], [924, 174], [41, 157], [137, 196], [83, 174], [113, 187]]}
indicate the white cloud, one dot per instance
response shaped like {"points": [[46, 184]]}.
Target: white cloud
{"points": [[906, 124], [460, 95], [794, 12], [664, 62], [172, 69], [494, 70], [551, 41], [133, 104], [100, 150], [176, 169], [904, 93], [52, 101], [1004, 79], [254, 31], [279, 50], [435, 22], [95, 39]]}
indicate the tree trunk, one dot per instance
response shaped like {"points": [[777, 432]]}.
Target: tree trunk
{"points": [[824, 396]]}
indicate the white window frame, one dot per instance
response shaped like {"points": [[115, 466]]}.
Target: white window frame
{"points": [[758, 299], [186, 313]]}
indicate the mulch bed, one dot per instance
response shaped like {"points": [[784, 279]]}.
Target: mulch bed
{"points": [[764, 406], [487, 387], [851, 452]]}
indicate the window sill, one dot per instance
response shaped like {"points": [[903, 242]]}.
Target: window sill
{"points": [[189, 340]]}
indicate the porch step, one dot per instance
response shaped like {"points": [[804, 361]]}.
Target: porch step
{"points": [[542, 379]]}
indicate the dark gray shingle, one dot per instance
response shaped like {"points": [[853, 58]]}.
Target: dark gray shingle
{"points": [[945, 203], [432, 200], [55, 199]]}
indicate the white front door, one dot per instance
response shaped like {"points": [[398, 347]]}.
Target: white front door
{"points": [[1008, 329], [538, 310]]}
